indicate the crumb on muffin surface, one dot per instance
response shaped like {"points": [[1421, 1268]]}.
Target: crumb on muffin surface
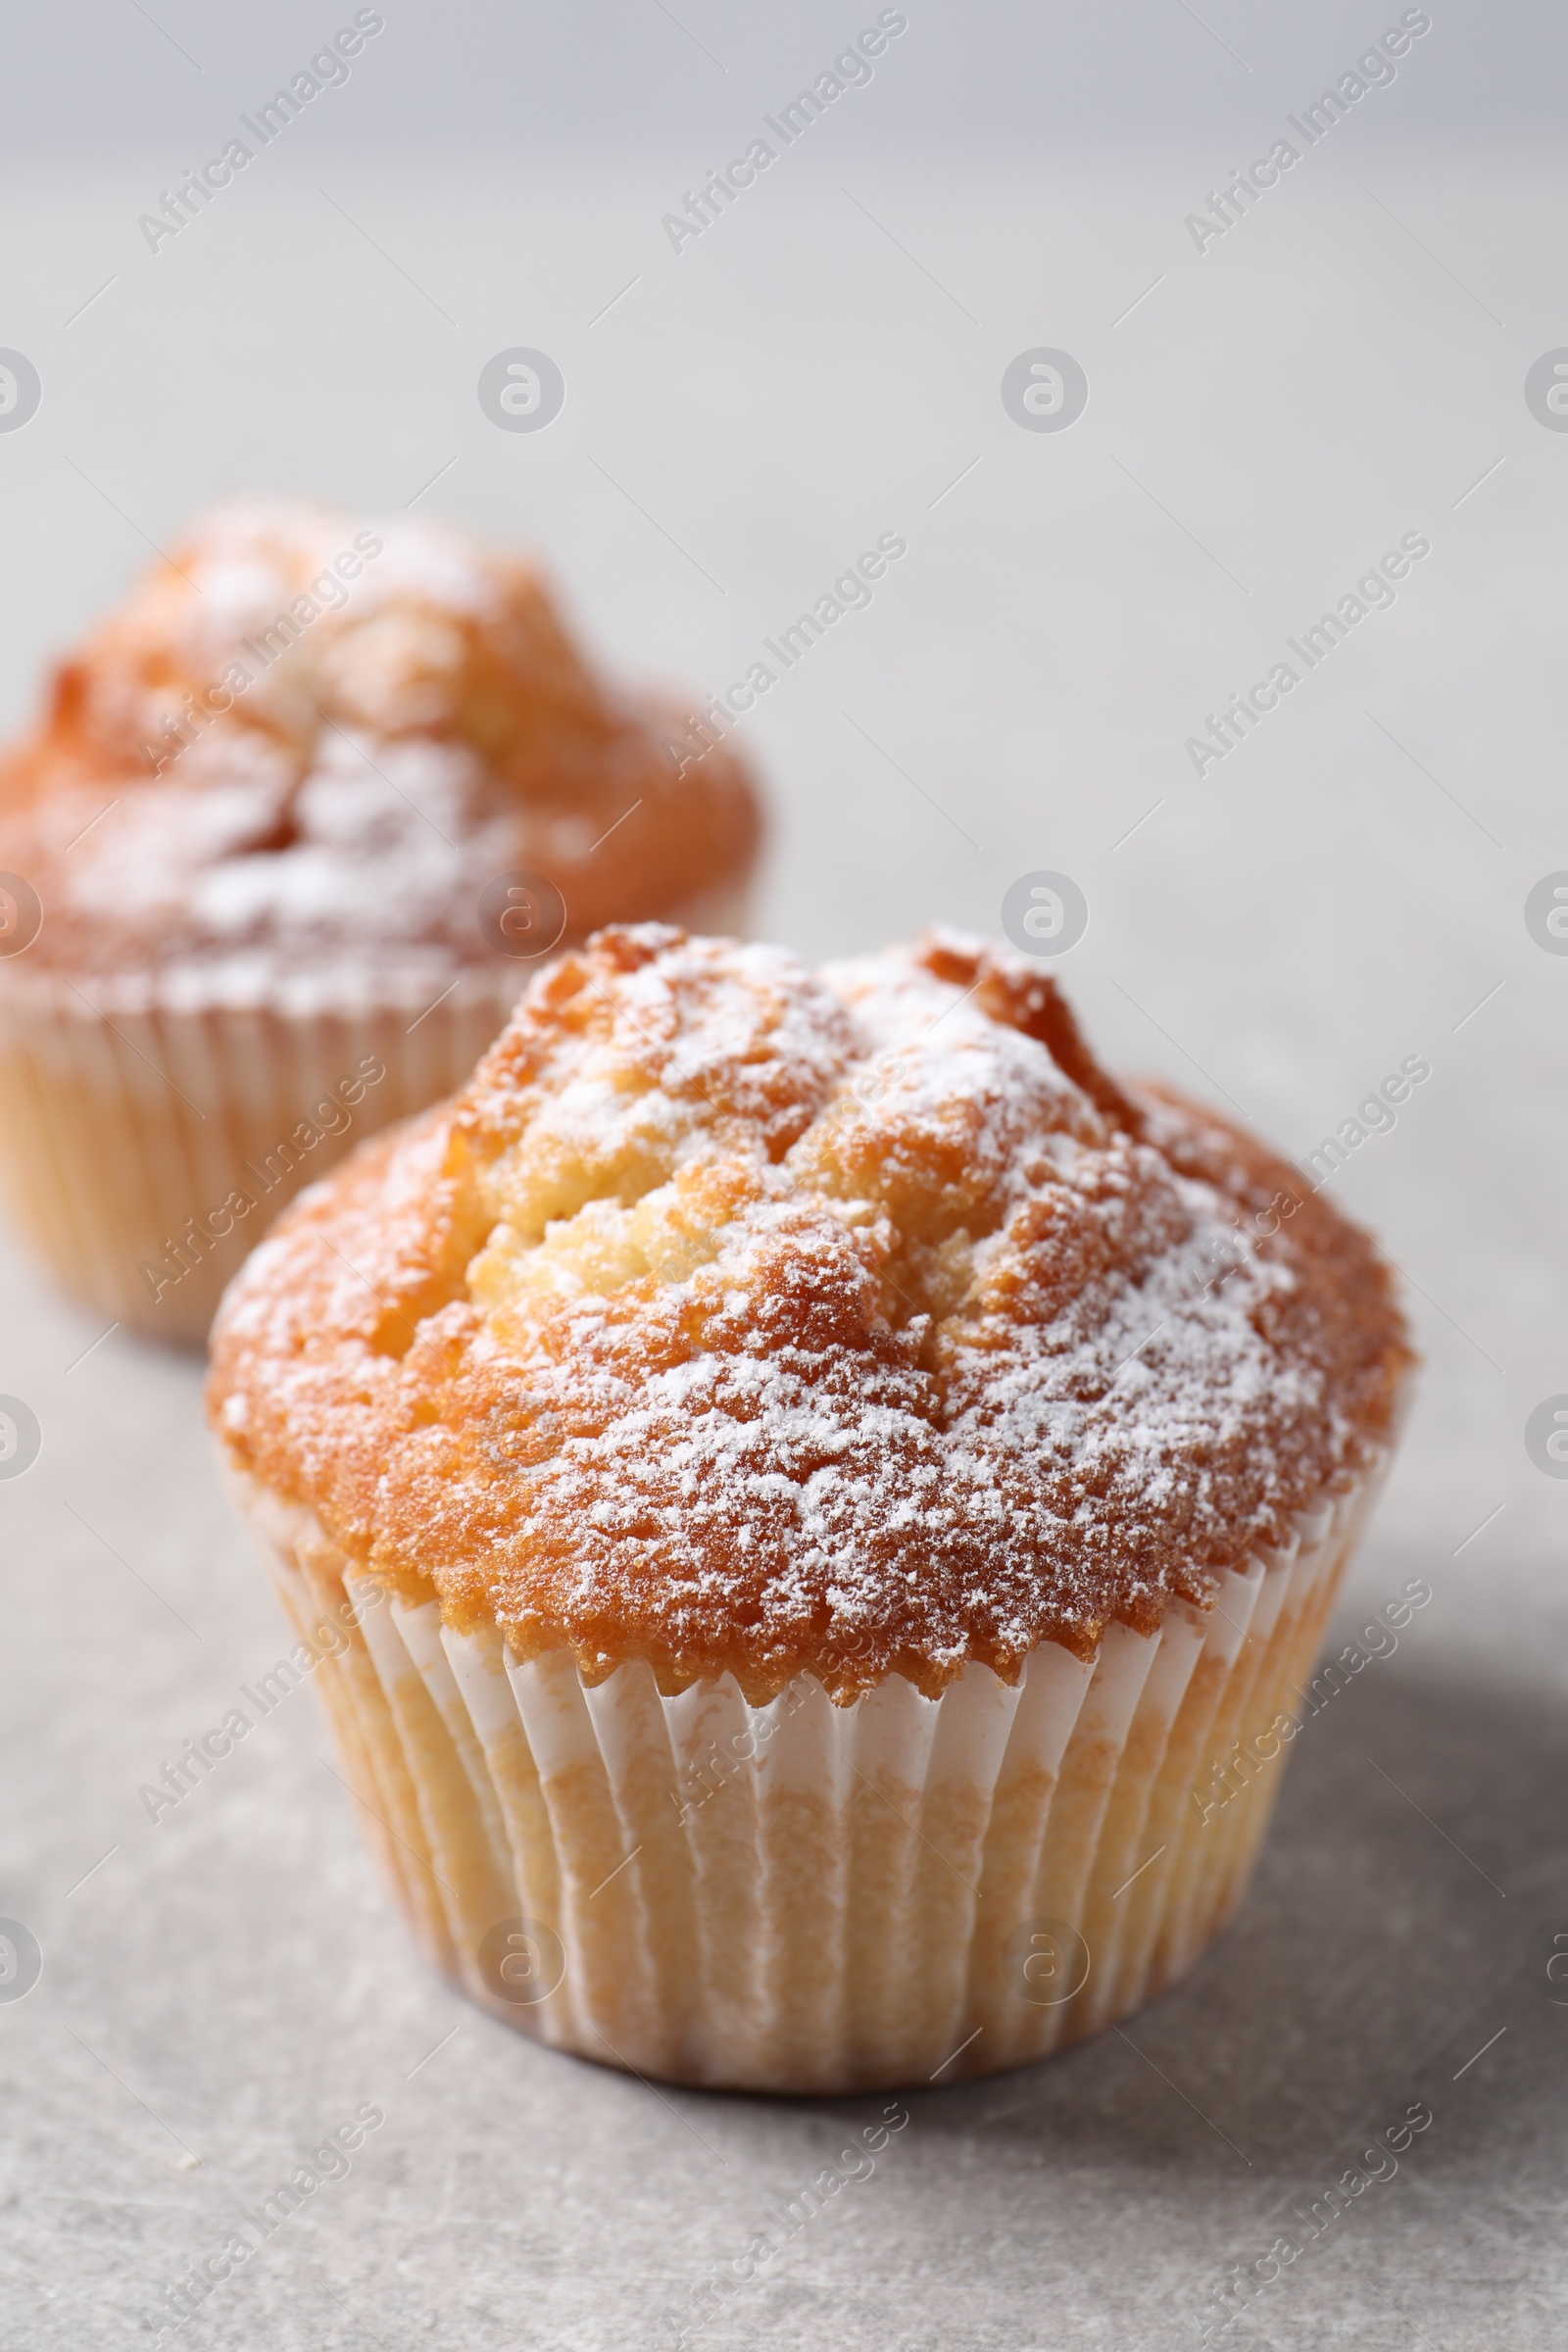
{"points": [[741, 1317]]}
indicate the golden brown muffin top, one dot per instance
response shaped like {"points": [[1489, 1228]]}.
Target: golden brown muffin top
{"points": [[305, 744], [739, 1316]]}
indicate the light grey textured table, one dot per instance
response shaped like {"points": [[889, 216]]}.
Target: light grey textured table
{"points": [[1344, 890]]}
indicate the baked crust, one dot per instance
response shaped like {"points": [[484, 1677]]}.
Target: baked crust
{"points": [[740, 1317], [301, 745]]}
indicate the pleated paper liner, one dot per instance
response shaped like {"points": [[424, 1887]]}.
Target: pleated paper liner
{"points": [[803, 1897], [134, 1124]]}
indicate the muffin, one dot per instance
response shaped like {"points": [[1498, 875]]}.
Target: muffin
{"points": [[275, 863], [810, 1503]]}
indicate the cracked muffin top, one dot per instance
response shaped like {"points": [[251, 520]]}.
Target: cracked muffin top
{"points": [[743, 1317], [305, 746]]}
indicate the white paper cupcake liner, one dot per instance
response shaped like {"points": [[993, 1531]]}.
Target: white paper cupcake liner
{"points": [[804, 1897], [132, 1117]]}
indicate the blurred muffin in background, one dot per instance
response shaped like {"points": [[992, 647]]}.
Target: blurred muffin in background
{"points": [[299, 818]]}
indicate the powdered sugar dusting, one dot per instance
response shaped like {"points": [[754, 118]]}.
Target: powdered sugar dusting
{"points": [[764, 1319]]}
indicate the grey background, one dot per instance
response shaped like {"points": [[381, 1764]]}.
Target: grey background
{"points": [[1345, 889]]}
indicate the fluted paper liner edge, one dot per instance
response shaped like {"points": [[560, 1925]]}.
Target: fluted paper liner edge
{"points": [[804, 1897]]}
